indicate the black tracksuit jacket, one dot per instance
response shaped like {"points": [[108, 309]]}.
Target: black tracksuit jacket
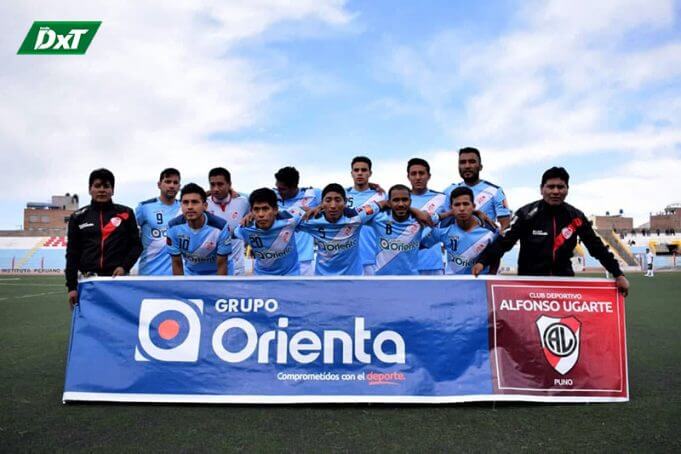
{"points": [[548, 235], [101, 237]]}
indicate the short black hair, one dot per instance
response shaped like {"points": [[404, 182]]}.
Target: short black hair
{"points": [[398, 187], [556, 172], [334, 187], [288, 175], [361, 159], [102, 174], [169, 172], [418, 162], [471, 150], [263, 195], [459, 191], [220, 171], [193, 188]]}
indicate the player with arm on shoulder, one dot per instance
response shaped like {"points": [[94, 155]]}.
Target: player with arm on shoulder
{"points": [[296, 201], [230, 206], [197, 238], [489, 198], [432, 202], [360, 194], [336, 230], [398, 229], [152, 217], [464, 235], [271, 234]]}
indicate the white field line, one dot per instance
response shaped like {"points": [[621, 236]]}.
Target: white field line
{"points": [[10, 279], [31, 285], [29, 296]]}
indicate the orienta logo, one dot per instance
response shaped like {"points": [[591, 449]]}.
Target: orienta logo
{"points": [[53, 38]]}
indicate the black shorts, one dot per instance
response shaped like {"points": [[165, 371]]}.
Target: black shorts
{"points": [[650, 266]]}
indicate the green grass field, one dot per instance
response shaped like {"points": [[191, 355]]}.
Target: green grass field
{"points": [[34, 329]]}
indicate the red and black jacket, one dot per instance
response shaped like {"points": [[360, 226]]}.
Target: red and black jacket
{"points": [[101, 237], [548, 235]]}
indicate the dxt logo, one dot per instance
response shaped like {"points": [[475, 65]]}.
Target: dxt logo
{"points": [[59, 38], [169, 330]]}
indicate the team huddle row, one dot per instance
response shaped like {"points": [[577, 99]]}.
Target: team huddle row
{"points": [[358, 230], [333, 231]]}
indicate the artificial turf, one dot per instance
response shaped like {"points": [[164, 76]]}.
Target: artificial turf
{"points": [[34, 329]]}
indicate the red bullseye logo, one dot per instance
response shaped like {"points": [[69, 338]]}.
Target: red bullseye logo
{"points": [[169, 330]]}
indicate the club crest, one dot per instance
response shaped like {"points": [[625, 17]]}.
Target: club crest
{"points": [[560, 341]]}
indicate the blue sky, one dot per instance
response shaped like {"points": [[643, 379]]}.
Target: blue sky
{"points": [[257, 85]]}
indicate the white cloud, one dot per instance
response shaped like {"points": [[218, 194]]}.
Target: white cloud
{"points": [[564, 81], [157, 80]]}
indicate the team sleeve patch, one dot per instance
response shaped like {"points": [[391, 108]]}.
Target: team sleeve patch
{"points": [[367, 209]]}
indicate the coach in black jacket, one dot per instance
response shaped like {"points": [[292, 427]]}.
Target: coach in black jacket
{"points": [[548, 231], [103, 237]]}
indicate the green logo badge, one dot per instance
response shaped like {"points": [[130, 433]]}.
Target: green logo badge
{"points": [[65, 38]]}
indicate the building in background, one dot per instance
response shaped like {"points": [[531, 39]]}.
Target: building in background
{"points": [[618, 222], [50, 219], [668, 220]]}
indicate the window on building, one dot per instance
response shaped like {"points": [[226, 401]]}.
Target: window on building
{"points": [[33, 218], [45, 219]]}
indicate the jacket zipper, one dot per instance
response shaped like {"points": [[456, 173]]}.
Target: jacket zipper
{"points": [[101, 246], [553, 258]]}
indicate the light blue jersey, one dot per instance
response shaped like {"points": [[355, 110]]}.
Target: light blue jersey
{"points": [[338, 242], [367, 237], [397, 243], [306, 198], [432, 202], [152, 217], [199, 248], [463, 248], [274, 249], [489, 198]]}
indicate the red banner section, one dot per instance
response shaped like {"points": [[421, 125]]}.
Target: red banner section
{"points": [[562, 338]]}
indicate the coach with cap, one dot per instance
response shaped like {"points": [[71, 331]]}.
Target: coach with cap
{"points": [[548, 231]]}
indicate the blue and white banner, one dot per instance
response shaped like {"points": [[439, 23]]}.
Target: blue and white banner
{"points": [[288, 340]]}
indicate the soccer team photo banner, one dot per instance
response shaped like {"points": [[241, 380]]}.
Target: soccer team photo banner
{"points": [[312, 340]]}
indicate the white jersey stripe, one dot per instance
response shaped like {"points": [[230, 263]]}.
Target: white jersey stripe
{"points": [[384, 257]]}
